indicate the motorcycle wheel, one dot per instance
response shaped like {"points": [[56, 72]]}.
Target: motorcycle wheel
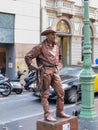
{"points": [[7, 91], [18, 91]]}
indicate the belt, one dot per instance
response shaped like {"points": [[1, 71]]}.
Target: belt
{"points": [[49, 65]]}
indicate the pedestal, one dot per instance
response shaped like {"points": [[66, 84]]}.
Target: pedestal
{"points": [[60, 124]]}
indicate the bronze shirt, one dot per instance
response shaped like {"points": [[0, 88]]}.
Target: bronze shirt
{"points": [[45, 55]]}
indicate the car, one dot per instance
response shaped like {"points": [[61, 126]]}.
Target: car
{"points": [[95, 69], [70, 76]]}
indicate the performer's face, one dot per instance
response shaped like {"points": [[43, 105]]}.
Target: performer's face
{"points": [[51, 37]]}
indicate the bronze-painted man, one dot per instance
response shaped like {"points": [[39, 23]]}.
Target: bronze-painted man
{"points": [[49, 62]]}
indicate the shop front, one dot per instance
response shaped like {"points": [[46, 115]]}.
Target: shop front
{"points": [[7, 44]]}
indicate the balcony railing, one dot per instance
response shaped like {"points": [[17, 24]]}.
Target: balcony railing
{"points": [[68, 7]]}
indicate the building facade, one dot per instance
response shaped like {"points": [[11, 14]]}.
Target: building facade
{"points": [[22, 21], [67, 18], [19, 31]]}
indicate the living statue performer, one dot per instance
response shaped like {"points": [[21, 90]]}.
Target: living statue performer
{"points": [[49, 62]]}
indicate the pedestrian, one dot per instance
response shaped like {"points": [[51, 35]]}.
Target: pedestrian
{"points": [[49, 62]]}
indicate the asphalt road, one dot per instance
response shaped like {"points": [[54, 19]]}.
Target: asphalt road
{"points": [[20, 112]]}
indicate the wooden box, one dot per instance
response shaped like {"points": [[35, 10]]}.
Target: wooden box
{"points": [[61, 124]]}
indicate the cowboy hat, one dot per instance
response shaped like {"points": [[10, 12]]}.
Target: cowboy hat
{"points": [[47, 31]]}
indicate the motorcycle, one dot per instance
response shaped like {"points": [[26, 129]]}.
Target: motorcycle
{"points": [[30, 80], [15, 84], [5, 88]]}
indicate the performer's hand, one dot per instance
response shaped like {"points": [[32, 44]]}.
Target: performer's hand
{"points": [[39, 68], [34, 67], [60, 65]]}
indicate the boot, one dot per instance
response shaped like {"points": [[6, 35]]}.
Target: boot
{"points": [[47, 115], [50, 118], [60, 108], [61, 114]]}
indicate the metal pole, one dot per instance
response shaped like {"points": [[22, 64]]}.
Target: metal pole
{"points": [[87, 76]]}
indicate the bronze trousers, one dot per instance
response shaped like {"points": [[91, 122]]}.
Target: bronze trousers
{"points": [[54, 80]]}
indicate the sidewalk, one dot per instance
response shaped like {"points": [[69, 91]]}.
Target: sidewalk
{"points": [[89, 125]]}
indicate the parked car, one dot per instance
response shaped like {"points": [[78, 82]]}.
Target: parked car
{"points": [[95, 68], [70, 76]]}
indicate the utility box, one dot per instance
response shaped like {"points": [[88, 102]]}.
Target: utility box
{"points": [[61, 124]]}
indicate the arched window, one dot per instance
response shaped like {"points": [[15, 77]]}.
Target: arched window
{"points": [[62, 26]]}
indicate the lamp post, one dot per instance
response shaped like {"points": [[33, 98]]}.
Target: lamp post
{"points": [[87, 116], [87, 76]]}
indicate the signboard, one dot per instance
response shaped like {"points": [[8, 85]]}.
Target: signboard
{"points": [[66, 126]]}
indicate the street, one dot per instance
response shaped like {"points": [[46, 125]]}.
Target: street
{"points": [[20, 112], [15, 107]]}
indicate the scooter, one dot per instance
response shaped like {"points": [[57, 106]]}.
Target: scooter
{"points": [[30, 79], [15, 84], [5, 88]]}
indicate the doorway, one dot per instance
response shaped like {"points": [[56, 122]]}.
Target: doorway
{"points": [[2, 61], [63, 38], [64, 44], [7, 60]]}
